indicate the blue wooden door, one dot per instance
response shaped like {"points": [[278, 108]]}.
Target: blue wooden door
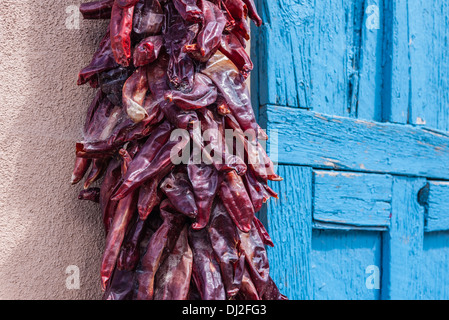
{"points": [[355, 97]]}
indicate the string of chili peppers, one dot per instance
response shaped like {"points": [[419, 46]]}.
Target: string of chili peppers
{"points": [[187, 230]]}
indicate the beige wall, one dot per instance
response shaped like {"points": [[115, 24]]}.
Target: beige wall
{"points": [[43, 227]]}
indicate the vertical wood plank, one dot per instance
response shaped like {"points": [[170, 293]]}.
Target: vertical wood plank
{"points": [[326, 60], [369, 93], [435, 266], [284, 56], [396, 73], [429, 55], [403, 244], [289, 222]]}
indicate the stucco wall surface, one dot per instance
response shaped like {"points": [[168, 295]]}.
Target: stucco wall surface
{"points": [[43, 227]]}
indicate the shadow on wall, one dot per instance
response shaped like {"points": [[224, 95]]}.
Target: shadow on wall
{"points": [[44, 228]]}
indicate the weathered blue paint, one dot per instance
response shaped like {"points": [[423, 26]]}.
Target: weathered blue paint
{"points": [[325, 141], [437, 215], [402, 251], [292, 214], [357, 93], [340, 261], [435, 283], [352, 199]]}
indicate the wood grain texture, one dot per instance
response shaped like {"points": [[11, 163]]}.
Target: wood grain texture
{"points": [[289, 223], [435, 266], [396, 96], [328, 61], [352, 199], [402, 247], [416, 66], [339, 262], [429, 59], [437, 218], [312, 139]]}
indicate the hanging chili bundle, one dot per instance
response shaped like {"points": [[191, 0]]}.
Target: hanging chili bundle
{"points": [[176, 229]]}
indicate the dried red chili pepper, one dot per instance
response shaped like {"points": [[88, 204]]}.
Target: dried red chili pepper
{"points": [[97, 9], [205, 266], [122, 217], [228, 80], [205, 183], [91, 194], [225, 242], [159, 246], [134, 93], [256, 259], [252, 12], [102, 60], [147, 50], [81, 167], [172, 281], [232, 48], [121, 27], [189, 10], [179, 191], [237, 201], [148, 17], [203, 94]]}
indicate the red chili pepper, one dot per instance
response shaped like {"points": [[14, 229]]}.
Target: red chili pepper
{"points": [[148, 17], [229, 82], [205, 183], [225, 242], [179, 191], [121, 27], [129, 253], [122, 217], [172, 281], [205, 267], [189, 10], [98, 168], [232, 48], [256, 259], [103, 60], [209, 37], [159, 246], [111, 179], [252, 12], [258, 160], [97, 9], [81, 167], [263, 233], [134, 93], [91, 194], [147, 50], [237, 201], [203, 94]]}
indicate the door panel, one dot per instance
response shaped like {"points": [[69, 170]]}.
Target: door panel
{"points": [[435, 266], [340, 261], [355, 101]]}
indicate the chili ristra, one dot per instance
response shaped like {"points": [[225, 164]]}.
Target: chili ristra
{"points": [[176, 231]]}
